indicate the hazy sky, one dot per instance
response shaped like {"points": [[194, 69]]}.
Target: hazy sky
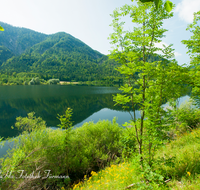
{"points": [[89, 20]]}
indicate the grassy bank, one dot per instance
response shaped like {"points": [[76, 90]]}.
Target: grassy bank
{"points": [[176, 166]]}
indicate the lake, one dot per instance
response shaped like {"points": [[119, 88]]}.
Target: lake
{"points": [[49, 100], [89, 103]]}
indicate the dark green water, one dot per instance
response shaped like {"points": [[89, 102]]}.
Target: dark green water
{"points": [[89, 103], [49, 100]]}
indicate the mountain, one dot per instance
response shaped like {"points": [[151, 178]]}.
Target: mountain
{"points": [[18, 39], [58, 55], [5, 54]]}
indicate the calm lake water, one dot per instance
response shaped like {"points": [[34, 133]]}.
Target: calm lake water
{"points": [[49, 100], [89, 103]]}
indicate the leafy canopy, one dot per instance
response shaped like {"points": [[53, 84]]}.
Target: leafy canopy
{"points": [[168, 4], [193, 45], [151, 78]]}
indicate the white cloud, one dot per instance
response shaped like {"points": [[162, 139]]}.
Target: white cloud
{"points": [[186, 8], [160, 45], [177, 54]]}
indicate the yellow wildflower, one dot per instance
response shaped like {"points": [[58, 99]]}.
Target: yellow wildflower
{"points": [[189, 173]]}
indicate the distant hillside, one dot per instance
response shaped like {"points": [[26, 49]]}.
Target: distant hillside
{"points": [[5, 54], [18, 39], [58, 55]]}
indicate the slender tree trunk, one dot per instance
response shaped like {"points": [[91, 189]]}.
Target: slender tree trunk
{"points": [[143, 100]]}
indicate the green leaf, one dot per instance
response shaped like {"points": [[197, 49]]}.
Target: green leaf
{"points": [[157, 3], [1, 28], [168, 6]]}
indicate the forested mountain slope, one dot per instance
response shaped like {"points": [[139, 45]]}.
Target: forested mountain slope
{"points": [[58, 55], [17, 39]]}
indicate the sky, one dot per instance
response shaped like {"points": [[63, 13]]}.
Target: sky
{"points": [[89, 20]]}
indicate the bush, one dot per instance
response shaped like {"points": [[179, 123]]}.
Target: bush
{"points": [[34, 81], [39, 150], [93, 146], [25, 83], [53, 81], [185, 118], [35, 154], [189, 115]]}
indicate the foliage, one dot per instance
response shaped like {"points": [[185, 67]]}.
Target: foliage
{"points": [[5, 54], [34, 154], [126, 175], [168, 4], [40, 150], [29, 123], [18, 78], [183, 118], [53, 81], [176, 166], [128, 142], [148, 83], [93, 146], [65, 120], [193, 45], [184, 154], [34, 81]]}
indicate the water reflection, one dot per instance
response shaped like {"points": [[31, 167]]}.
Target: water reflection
{"points": [[88, 104], [48, 101]]}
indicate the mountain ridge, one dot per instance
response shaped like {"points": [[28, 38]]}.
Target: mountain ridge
{"points": [[58, 55], [15, 38]]}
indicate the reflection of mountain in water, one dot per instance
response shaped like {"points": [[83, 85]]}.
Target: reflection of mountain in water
{"points": [[48, 101]]}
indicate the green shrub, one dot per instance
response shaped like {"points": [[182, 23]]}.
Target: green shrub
{"points": [[53, 81], [72, 153], [31, 154], [93, 146], [189, 115], [128, 141], [34, 81], [185, 118], [25, 82]]}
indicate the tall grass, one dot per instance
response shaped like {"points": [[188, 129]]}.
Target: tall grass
{"points": [[178, 162]]}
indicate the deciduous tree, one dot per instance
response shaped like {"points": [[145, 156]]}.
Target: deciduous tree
{"points": [[148, 83], [193, 45]]}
